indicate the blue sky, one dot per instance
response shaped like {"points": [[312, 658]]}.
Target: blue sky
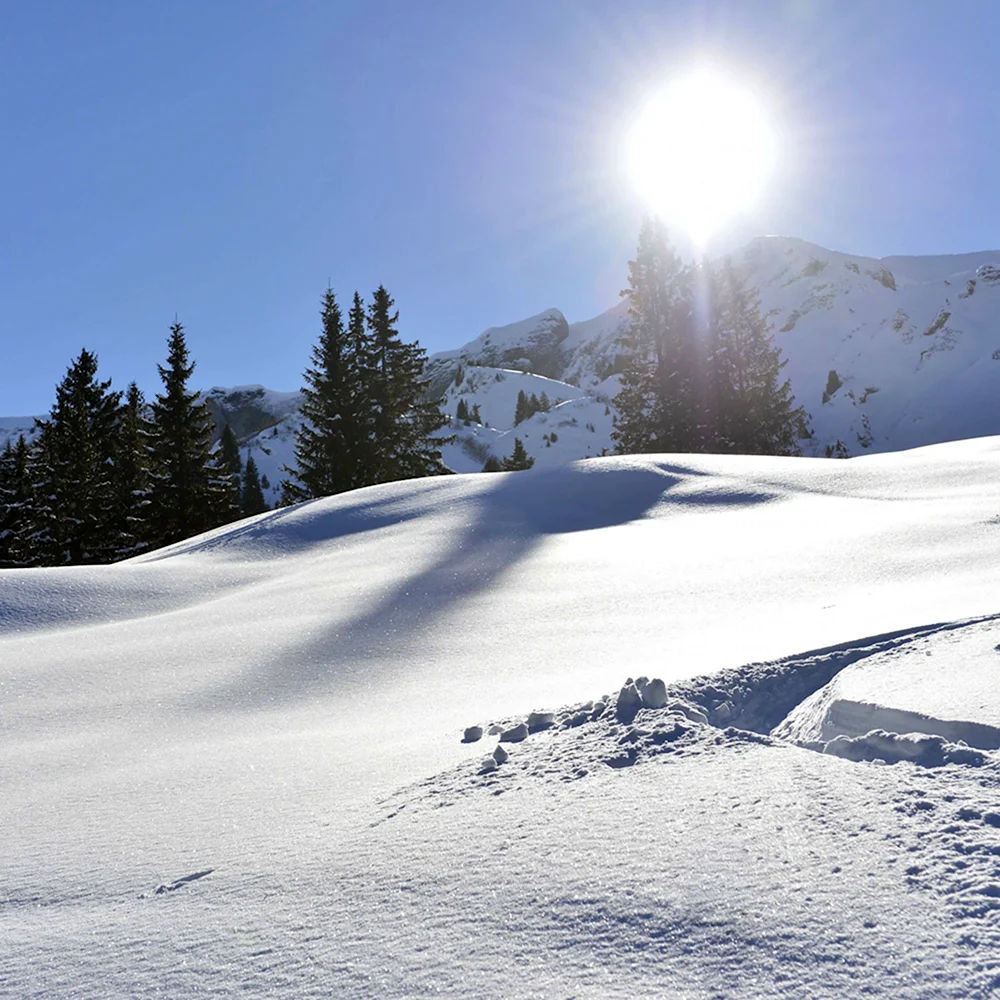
{"points": [[222, 161]]}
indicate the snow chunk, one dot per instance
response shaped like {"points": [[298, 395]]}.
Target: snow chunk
{"points": [[891, 748]]}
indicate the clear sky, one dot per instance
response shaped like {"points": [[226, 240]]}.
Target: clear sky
{"points": [[221, 160]]}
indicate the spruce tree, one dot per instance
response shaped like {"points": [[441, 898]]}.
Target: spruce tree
{"points": [[753, 410], [522, 408], [658, 404], [252, 500], [493, 464], [362, 377], [230, 468], [518, 459], [131, 479], [406, 441], [462, 411], [474, 414], [73, 470], [324, 442], [15, 504], [187, 494]]}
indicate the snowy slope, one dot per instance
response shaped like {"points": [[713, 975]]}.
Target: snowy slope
{"points": [[235, 766], [884, 354]]}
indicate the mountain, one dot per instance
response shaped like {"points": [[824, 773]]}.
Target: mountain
{"points": [[885, 354], [397, 743]]}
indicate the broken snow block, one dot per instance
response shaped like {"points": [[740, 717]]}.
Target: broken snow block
{"points": [[494, 729], [722, 714], [629, 702], [500, 755], [654, 694], [472, 734], [488, 764], [540, 720], [515, 734]]}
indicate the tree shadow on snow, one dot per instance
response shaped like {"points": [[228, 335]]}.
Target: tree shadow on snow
{"points": [[511, 519]]}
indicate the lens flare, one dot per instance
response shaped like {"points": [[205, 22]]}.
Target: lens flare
{"points": [[700, 152]]}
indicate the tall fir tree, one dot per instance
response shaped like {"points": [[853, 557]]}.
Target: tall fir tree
{"points": [[753, 411], [252, 499], [15, 504], [407, 420], [230, 467], [324, 457], [132, 482], [518, 460], [187, 494], [73, 470], [362, 376], [658, 401]]}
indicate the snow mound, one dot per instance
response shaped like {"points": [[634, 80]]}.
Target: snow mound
{"points": [[945, 685]]}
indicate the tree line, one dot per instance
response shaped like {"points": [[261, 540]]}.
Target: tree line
{"points": [[700, 371], [108, 475]]}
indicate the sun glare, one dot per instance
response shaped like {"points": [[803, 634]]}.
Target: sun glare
{"points": [[700, 151]]}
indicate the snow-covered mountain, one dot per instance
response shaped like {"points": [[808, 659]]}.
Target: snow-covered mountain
{"points": [[396, 743], [884, 354]]}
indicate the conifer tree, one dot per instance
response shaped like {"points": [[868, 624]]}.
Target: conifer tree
{"points": [[187, 494], [362, 377], [462, 411], [543, 403], [324, 456], [131, 480], [231, 468], [753, 410], [522, 408], [406, 441], [518, 459], [493, 464], [15, 504], [658, 403], [252, 500], [474, 414], [73, 470]]}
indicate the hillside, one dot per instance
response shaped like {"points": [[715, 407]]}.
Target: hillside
{"points": [[885, 354], [236, 765]]}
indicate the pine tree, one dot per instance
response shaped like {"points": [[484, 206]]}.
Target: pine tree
{"points": [[230, 468], [265, 482], [518, 460], [543, 403], [493, 464], [131, 479], [406, 441], [753, 411], [462, 411], [325, 448], [187, 494], [522, 408], [73, 470], [658, 404], [15, 504], [474, 414], [362, 376], [252, 501]]}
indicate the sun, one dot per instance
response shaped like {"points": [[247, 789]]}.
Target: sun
{"points": [[700, 152]]}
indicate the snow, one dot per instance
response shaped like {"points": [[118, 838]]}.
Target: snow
{"points": [[944, 684], [266, 723]]}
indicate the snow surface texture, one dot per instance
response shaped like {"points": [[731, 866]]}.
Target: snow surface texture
{"points": [[236, 766]]}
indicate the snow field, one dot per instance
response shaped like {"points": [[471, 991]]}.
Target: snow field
{"points": [[283, 701]]}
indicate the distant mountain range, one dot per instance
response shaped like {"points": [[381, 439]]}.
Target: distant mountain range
{"points": [[884, 354]]}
